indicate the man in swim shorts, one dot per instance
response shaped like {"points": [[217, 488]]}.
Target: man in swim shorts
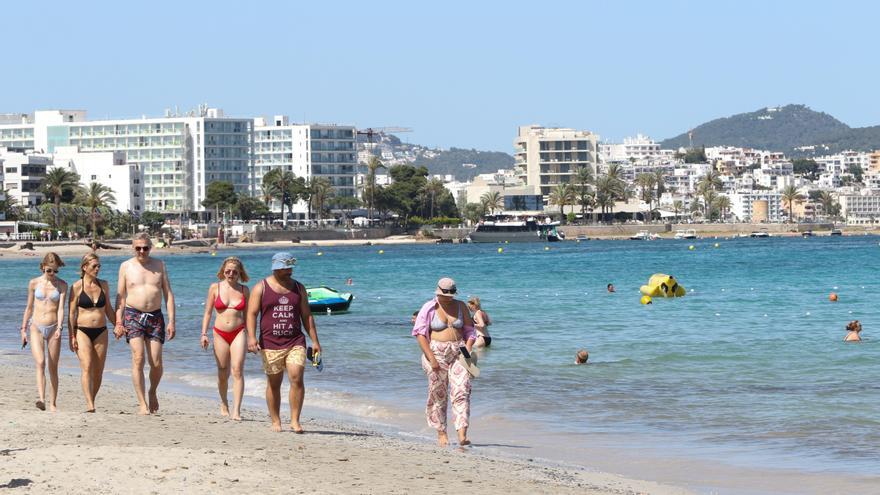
{"points": [[143, 283], [283, 307]]}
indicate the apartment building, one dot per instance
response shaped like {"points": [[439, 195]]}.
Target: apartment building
{"points": [[108, 168], [23, 174], [309, 151], [176, 155], [860, 208], [546, 157], [743, 205], [634, 149]]}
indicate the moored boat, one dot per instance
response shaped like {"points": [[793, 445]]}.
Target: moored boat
{"points": [[686, 234], [322, 299], [515, 231]]}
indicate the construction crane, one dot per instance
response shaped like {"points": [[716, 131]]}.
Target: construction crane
{"points": [[371, 131]]}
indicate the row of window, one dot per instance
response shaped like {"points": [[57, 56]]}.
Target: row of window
{"points": [[334, 158]]}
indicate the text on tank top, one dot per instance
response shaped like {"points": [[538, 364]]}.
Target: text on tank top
{"points": [[280, 319]]}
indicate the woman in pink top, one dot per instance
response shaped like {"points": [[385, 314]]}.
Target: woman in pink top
{"points": [[443, 326]]}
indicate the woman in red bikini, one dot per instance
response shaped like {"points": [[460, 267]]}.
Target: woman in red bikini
{"points": [[229, 297]]}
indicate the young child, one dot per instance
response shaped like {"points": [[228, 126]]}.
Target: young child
{"points": [[852, 331], [581, 357]]}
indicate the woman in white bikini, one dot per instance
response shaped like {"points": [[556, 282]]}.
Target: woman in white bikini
{"points": [[42, 321]]}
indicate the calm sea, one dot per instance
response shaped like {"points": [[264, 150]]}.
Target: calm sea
{"points": [[749, 368]]}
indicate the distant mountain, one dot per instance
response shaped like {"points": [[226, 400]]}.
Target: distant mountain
{"points": [[465, 164], [792, 129], [462, 163]]}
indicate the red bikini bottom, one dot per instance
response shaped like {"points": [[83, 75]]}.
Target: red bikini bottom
{"points": [[229, 336]]}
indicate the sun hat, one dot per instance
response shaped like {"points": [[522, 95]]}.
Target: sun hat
{"points": [[470, 364], [448, 285], [283, 260]]}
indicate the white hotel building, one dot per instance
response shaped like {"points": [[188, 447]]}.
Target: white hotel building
{"points": [[547, 157], [309, 151], [177, 156]]}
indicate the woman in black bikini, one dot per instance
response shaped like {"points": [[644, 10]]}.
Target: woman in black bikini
{"points": [[90, 309]]}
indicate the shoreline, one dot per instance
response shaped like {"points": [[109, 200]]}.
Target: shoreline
{"points": [[70, 451], [77, 248]]}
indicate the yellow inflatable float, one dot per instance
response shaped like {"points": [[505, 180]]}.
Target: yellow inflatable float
{"points": [[662, 285]]}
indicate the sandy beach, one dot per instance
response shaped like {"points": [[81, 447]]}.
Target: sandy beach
{"points": [[77, 249], [190, 448]]}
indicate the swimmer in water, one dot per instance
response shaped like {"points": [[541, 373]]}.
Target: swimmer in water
{"points": [[610, 287], [853, 329], [581, 357]]}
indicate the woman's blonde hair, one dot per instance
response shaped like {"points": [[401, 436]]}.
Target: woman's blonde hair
{"points": [[51, 259], [475, 302], [85, 261], [242, 274]]}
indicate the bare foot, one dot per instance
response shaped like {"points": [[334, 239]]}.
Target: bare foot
{"points": [[41, 405], [296, 427], [464, 442], [276, 426], [224, 410], [52, 408], [154, 402], [90, 409], [442, 439], [143, 411], [235, 417]]}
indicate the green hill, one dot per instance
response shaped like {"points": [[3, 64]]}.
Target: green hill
{"points": [[781, 129], [451, 162]]}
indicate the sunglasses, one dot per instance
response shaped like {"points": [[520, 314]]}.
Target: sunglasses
{"points": [[142, 249], [50, 270], [448, 291], [230, 272], [95, 266]]}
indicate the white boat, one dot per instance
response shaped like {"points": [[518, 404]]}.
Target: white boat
{"points": [[686, 234], [643, 235], [760, 233]]}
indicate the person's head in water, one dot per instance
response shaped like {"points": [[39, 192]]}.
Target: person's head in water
{"points": [[854, 326], [415, 314], [581, 357], [610, 287]]}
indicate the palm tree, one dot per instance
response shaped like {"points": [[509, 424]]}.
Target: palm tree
{"points": [[646, 182], [93, 197], [790, 195], [281, 185], [491, 201], [432, 189], [722, 202], [372, 166], [828, 203], [677, 206], [660, 184], [584, 178], [56, 182], [608, 190], [696, 208], [712, 180], [320, 190], [562, 195], [8, 206]]}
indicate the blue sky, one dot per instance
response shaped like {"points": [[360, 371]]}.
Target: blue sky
{"points": [[462, 74]]}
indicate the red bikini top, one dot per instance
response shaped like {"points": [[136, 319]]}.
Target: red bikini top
{"points": [[219, 305]]}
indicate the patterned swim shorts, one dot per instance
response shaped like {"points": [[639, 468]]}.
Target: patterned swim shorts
{"points": [[145, 325], [277, 360]]}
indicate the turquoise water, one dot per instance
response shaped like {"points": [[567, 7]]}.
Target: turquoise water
{"points": [[749, 367]]}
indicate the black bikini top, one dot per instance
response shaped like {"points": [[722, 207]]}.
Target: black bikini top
{"points": [[86, 302]]}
